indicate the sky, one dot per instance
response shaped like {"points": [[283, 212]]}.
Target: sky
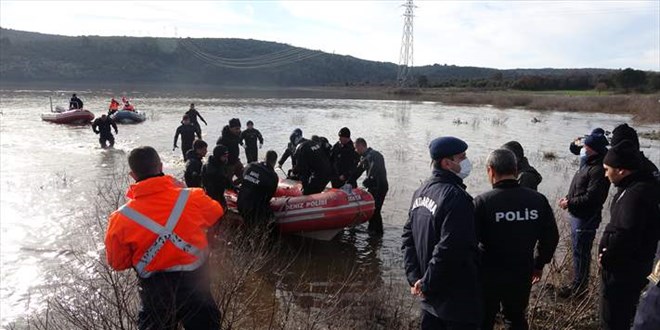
{"points": [[498, 34]]}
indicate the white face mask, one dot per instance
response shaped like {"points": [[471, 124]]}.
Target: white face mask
{"points": [[583, 153], [466, 168]]}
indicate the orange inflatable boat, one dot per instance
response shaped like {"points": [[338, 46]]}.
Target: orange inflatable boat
{"points": [[319, 216]]}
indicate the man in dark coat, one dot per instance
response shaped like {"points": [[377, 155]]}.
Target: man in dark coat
{"points": [[527, 175], [193, 114], [625, 132], [647, 316], [372, 162], [193, 173], [630, 239], [187, 131], [511, 220], [344, 160], [440, 244], [258, 187], [75, 103], [584, 203], [250, 136], [231, 138], [216, 175], [312, 167], [102, 126], [295, 138]]}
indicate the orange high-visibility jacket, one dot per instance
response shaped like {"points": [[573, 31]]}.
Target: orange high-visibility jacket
{"points": [[161, 228]]}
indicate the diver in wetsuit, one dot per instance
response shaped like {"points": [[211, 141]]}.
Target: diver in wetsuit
{"points": [[187, 131], [103, 127]]}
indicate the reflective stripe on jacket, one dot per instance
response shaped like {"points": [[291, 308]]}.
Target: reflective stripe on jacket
{"points": [[162, 228]]}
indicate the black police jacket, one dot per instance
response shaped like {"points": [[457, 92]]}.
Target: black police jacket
{"points": [[511, 221], [193, 173], [630, 238], [104, 126], [344, 159], [250, 136], [231, 141], [374, 164], [311, 160], [216, 177], [440, 248], [588, 190], [258, 187]]}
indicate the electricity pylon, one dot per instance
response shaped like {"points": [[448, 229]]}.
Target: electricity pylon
{"points": [[406, 55]]}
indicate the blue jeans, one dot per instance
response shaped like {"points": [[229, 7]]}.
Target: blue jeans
{"points": [[583, 233]]}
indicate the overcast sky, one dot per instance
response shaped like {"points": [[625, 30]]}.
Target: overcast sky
{"points": [[499, 34]]}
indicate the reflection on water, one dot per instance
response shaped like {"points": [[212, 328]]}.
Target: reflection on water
{"points": [[50, 174]]}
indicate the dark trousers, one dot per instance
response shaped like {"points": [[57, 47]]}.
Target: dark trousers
{"points": [[107, 139], [648, 312], [376, 221], [170, 298], [432, 322], [511, 293], [251, 154], [314, 185], [583, 233], [619, 295], [254, 213]]}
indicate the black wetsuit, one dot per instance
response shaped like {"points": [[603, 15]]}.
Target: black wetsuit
{"points": [[312, 167], [103, 127], [344, 160], [232, 142], [511, 221], [75, 103], [250, 136], [216, 177], [187, 133], [376, 183], [193, 173], [192, 116], [259, 186], [290, 150]]}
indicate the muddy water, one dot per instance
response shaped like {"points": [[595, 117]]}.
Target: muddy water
{"points": [[50, 173]]}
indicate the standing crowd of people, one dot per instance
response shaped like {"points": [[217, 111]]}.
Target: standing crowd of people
{"points": [[467, 258]]}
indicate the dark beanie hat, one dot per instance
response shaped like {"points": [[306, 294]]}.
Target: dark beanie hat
{"points": [[598, 131], [219, 151], [250, 122], [623, 155], [516, 148], [446, 146], [345, 132], [625, 132], [597, 142], [234, 122]]}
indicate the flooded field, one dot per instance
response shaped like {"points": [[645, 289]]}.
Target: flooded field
{"points": [[52, 176]]}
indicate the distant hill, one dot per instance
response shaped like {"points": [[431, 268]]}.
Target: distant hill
{"points": [[29, 57]]}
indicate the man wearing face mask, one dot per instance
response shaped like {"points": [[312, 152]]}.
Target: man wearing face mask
{"points": [[629, 240], [584, 203], [511, 221], [440, 244]]}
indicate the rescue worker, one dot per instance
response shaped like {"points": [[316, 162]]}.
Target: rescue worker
{"points": [[584, 203], [193, 114], [75, 103], [630, 239], [527, 175], [103, 126], [295, 138], [372, 162], [187, 131], [127, 104], [511, 220], [161, 233], [258, 187], [324, 143], [250, 136], [114, 106], [344, 160], [647, 316], [312, 167], [194, 156], [231, 138], [625, 132], [440, 244], [216, 175], [576, 146]]}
